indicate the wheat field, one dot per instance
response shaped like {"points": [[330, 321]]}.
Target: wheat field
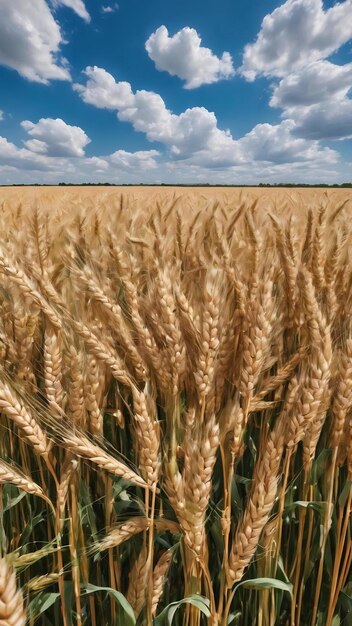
{"points": [[175, 407]]}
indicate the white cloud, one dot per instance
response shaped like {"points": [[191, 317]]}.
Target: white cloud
{"points": [[193, 131], [141, 159], [23, 165], [278, 144], [21, 158], [258, 172], [98, 169], [297, 33], [315, 83], [110, 8], [293, 44], [56, 152], [54, 146], [1, 115], [193, 136], [77, 6], [329, 120], [317, 99], [30, 41], [183, 55], [266, 153], [103, 91], [54, 137]]}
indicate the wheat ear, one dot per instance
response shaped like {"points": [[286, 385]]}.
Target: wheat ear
{"points": [[75, 399], [114, 311], [261, 501], [80, 445], [91, 389], [101, 352], [160, 573], [148, 438], [12, 611], [10, 474], [69, 467], [142, 336], [25, 286], [17, 412], [342, 398], [53, 367], [138, 582], [122, 533]]}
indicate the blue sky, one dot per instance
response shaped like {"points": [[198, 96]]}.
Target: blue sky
{"points": [[237, 91]]}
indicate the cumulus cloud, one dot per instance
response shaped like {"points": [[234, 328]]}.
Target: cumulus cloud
{"points": [[56, 152], [110, 8], [77, 6], [54, 137], [193, 131], [316, 98], [27, 165], [141, 159], [314, 172], [23, 168], [30, 41], [278, 144], [293, 44], [183, 55], [193, 136], [125, 161], [103, 91], [318, 82], [21, 158], [295, 34], [329, 120]]}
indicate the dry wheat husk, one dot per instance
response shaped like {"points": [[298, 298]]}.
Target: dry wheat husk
{"points": [[12, 611]]}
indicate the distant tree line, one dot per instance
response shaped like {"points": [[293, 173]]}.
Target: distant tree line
{"points": [[62, 184]]}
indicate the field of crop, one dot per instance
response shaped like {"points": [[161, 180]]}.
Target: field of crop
{"points": [[175, 407]]}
